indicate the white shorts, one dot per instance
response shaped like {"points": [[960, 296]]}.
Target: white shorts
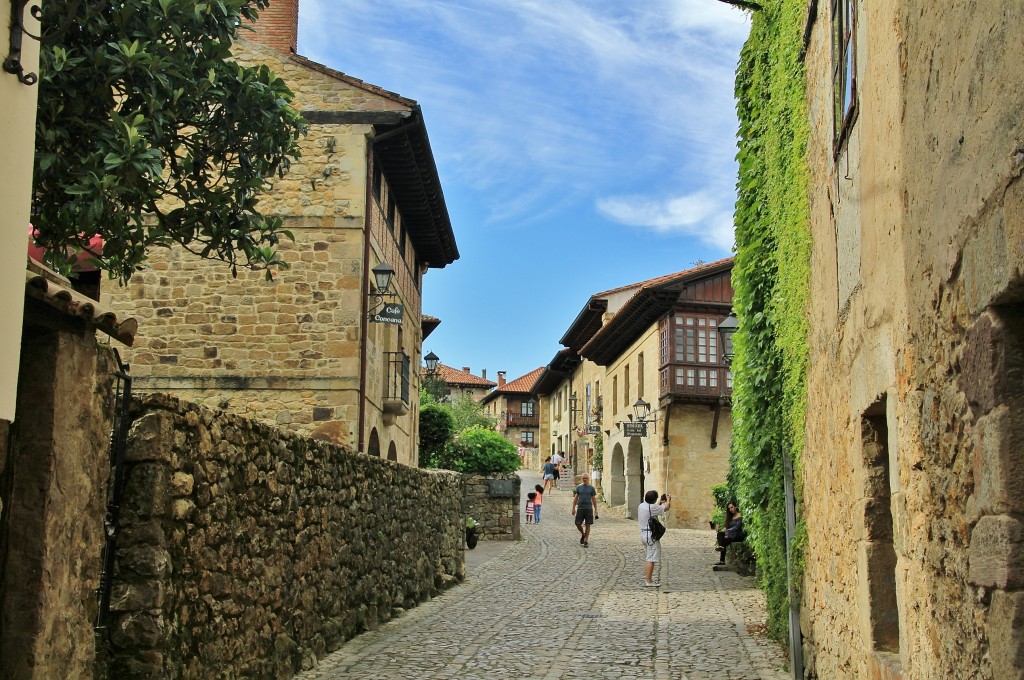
{"points": [[653, 551], [549, 476]]}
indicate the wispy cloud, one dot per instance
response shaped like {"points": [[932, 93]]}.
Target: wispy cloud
{"points": [[700, 214]]}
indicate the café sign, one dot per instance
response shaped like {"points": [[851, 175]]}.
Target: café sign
{"points": [[391, 313], [634, 429]]}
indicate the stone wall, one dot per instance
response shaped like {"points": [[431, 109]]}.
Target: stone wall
{"points": [[494, 503], [250, 551], [913, 469], [53, 491]]}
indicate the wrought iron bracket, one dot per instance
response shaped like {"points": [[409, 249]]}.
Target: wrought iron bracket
{"points": [[12, 64]]}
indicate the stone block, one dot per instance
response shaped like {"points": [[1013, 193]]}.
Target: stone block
{"points": [[1006, 635], [991, 363], [150, 438], [999, 463], [876, 595], [996, 553], [146, 491]]}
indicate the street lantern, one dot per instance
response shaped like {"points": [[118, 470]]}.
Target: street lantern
{"points": [[641, 409], [382, 275], [726, 330], [431, 360]]}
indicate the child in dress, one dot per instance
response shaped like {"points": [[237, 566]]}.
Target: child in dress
{"points": [[537, 503], [530, 507]]}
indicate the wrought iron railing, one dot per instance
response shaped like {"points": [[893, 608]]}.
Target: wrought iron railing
{"points": [[396, 379], [519, 420]]}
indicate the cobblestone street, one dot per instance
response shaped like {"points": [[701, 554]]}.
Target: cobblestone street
{"points": [[546, 608]]}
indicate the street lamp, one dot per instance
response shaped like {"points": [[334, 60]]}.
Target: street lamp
{"points": [[381, 289], [726, 330], [641, 409], [431, 360], [382, 275]]}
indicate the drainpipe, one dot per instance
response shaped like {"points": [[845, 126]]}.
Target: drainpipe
{"points": [[364, 318]]}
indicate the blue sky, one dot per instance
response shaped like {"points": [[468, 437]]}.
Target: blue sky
{"points": [[581, 146]]}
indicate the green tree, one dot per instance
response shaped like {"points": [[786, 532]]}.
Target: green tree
{"points": [[482, 451], [436, 431], [149, 135], [468, 413]]}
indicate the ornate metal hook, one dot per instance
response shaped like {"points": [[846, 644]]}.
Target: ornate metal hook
{"points": [[12, 64]]}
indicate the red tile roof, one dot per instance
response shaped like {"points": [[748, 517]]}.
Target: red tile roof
{"points": [[46, 285], [455, 376]]}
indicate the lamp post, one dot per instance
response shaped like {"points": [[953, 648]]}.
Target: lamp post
{"points": [[431, 383]]}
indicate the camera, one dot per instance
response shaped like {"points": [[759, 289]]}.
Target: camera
{"points": [[664, 497]]}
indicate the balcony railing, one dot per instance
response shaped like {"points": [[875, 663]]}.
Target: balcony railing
{"points": [[699, 382], [519, 420], [396, 378]]}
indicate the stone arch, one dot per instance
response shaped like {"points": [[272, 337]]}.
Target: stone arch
{"points": [[617, 472], [634, 476], [393, 452], [374, 448]]}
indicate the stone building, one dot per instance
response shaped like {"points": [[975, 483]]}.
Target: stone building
{"points": [[654, 342], [462, 382], [515, 408], [913, 475], [318, 350]]}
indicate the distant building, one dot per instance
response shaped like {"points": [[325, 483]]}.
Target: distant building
{"points": [[656, 342], [461, 382], [516, 409]]}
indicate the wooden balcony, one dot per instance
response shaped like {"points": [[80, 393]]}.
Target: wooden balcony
{"points": [[699, 383], [519, 420]]}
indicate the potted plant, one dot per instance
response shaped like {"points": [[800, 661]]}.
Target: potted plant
{"points": [[471, 532]]}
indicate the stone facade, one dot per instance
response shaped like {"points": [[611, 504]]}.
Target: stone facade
{"points": [[494, 503], [248, 551], [300, 351], [914, 470]]}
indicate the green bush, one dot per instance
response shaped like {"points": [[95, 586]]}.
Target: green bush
{"points": [[437, 427], [478, 450]]}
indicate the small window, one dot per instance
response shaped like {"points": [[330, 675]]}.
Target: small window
{"points": [[526, 438], [844, 67], [526, 408]]}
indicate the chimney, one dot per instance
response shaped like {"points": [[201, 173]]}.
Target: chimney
{"points": [[465, 369], [278, 26], [483, 373], [501, 378]]}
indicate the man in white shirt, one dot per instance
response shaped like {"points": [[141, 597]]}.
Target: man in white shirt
{"points": [[644, 512]]}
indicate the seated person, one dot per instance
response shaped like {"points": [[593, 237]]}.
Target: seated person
{"points": [[733, 532]]}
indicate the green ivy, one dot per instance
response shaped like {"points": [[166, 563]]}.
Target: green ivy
{"points": [[771, 278]]}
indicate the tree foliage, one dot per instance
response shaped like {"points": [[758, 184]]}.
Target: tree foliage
{"points": [[468, 413], [149, 135]]}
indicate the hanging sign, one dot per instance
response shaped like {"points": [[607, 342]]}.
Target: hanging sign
{"points": [[594, 429], [390, 313], [634, 429]]}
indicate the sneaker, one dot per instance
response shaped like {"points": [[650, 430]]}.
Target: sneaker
{"points": [[652, 584], [586, 544], [583, 541]]}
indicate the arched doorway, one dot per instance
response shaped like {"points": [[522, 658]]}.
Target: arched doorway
{"points": [[393, 452], [634, 476], [374, 447], [617, 486]]}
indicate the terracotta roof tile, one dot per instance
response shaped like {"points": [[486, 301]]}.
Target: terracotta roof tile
{"points": [[455, 376], [46, 285], [523, 383]]}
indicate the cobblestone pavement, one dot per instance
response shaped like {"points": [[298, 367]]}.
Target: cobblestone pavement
{"points": [[546, 608]]}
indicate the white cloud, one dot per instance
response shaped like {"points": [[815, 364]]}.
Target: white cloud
{"points": [[699, 214]]}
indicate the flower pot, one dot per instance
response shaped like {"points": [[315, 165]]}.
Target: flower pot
{"points": [[471, 538]]}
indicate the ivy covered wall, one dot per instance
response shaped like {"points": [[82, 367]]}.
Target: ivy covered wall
{"points": [[771, 279]]}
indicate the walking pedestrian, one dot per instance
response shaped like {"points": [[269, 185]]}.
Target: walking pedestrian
{"points": [[557, 460], [537, 502], [549, 473], [584, 506], [652, 548]]}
